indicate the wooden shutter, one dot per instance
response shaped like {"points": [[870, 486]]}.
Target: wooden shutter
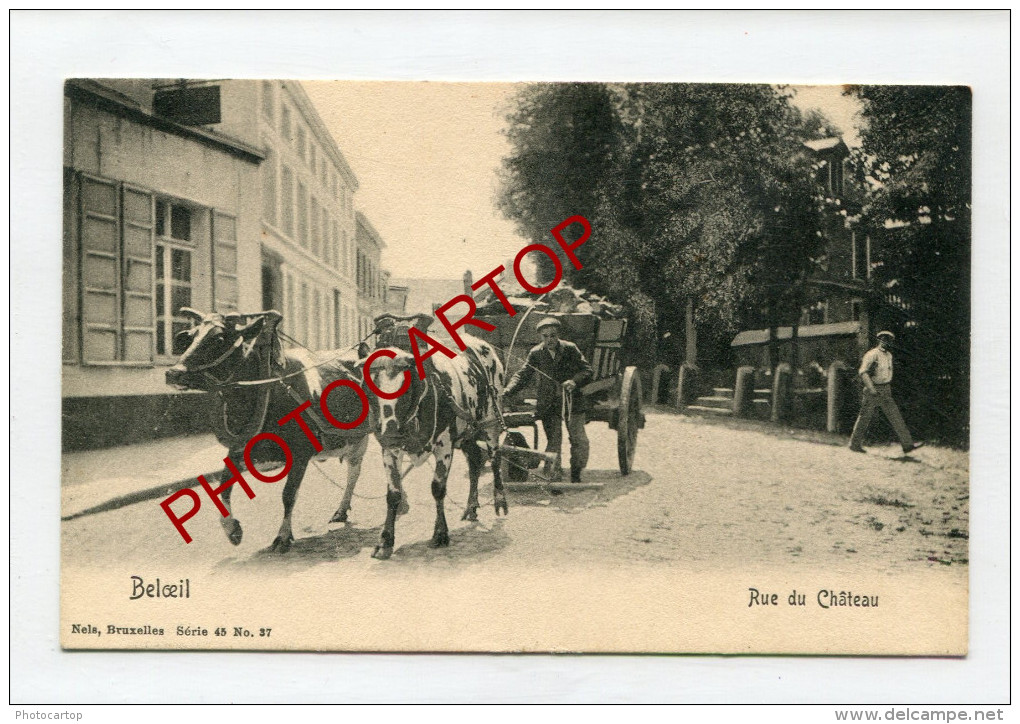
{"points": [[225, 262], [139, 313], [100, 271]]}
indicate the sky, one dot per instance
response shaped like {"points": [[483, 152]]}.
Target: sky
{"points": [[426, 156]]}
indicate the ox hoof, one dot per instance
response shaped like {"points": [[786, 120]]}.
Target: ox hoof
{"points": [[281, 544], [382, 552], [440, 540], [470, 514], [502, 506], [233, 530], [339, 517]]}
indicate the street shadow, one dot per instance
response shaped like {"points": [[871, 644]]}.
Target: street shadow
{"points": [[472, 543], [333, 545], [905, 459], [566, 500]]}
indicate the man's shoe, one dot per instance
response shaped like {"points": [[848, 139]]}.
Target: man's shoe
{"points": [[907, 450], [854, 448], [575, 476]]}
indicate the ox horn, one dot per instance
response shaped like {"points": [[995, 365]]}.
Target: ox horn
{"points": [[189, 312]]}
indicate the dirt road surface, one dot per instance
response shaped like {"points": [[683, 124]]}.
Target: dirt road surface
{"points": [[704, 495]]}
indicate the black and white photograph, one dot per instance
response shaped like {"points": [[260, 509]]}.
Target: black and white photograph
{"points": [[746, 305], [517, 363]]}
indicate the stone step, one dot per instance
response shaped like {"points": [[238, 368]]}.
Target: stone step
{"points": [[723, 391], [700, 409], [715, 398]]}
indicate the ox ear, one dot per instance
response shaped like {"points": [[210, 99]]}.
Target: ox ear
{"points": [[194, 314]]}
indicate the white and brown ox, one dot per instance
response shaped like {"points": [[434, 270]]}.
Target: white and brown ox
{"points": [[223, 354], [454, 406]]}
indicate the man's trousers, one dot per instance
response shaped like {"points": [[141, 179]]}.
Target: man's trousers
{"points": [[882, 399], [553, 428]]}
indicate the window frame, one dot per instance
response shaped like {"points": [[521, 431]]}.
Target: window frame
{"points": [[122, 260], [169, 244]]}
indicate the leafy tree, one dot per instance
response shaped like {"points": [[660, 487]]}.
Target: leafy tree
{"points": [[696, 192], [916, 159]]}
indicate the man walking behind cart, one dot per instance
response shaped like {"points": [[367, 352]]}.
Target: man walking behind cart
{"points": [[562, 370], [876, 374]]}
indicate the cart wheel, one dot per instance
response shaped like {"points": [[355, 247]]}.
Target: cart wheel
{"points": [[629, 419]]}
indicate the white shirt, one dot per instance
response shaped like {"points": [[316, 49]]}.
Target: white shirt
{"points": [[877, 363]]}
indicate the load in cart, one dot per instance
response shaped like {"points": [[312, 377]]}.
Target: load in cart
{"points": [[612, 396]]}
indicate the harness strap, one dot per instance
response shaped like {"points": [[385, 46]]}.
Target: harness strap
{"points": [[209, 365]]}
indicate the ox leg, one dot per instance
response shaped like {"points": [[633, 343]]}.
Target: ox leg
{"points": [[231, 526], [498, 493], [394, 492], [473, 453], [290, 491], [443, 451], [354, 457]]}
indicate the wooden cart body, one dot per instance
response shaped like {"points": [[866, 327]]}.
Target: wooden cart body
{"points": [[613, 395]]}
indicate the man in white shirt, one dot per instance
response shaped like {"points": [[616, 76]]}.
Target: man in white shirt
{"points": [[876, 374]]}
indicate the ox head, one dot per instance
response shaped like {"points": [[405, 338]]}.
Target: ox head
{"points": [[396, 418], [218, 347]]}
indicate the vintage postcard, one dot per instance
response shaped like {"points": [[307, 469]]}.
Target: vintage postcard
{"points": [[515, 367]]}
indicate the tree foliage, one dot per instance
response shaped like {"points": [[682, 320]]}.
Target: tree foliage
{"points": [[916, 160], [695, 192]]}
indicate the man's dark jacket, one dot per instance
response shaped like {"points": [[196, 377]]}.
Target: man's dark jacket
{"points": [[569, 364]]}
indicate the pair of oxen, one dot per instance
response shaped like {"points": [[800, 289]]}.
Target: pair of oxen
{"points": [[259, 386]]}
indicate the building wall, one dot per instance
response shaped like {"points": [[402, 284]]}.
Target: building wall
{"points": [[308, 226], [120, 176], [371, 279]]}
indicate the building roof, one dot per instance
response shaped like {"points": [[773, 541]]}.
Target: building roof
{"points": [[827, 144], [297, 92], [424, 294], [807, 331], [369, 231], [95, 93]]}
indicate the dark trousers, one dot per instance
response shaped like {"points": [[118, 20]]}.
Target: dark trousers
{"points": [[553, 428]]}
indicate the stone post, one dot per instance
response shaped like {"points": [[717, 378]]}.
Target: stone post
{"points": [[781, 392], [743, 390], [686, 385], [834, 392], [656, 379]]}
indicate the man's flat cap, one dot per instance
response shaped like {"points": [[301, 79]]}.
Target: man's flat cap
{"points": [[549, 322], [885, 333]]}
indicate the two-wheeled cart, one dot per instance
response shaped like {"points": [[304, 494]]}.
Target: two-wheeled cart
{"points": [[613, 396]]}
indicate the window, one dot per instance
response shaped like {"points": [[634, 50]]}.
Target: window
{"points": [[288, 304], [302, 214], [315, 342], [173, 271], [268, 101], [337, 251], [303, 315], [287, 200], [816, 313], [337, 317], [855, 309], [116, 249], [225, 264], [285, 124], [269, 187], [327, 237], [316, 229]]}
